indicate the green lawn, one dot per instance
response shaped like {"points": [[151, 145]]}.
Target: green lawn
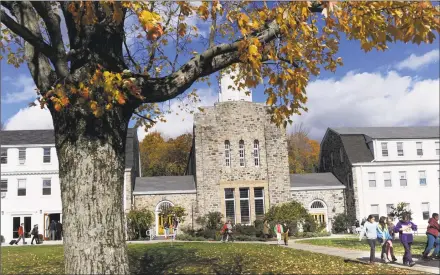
{"points": [[354, 243], [196, 258]]}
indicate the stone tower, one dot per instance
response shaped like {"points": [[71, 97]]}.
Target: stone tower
{"points": [[241, 159]]}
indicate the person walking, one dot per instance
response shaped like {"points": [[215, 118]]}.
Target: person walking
{"points": [[285, 234], [405, 228], [166, 227], [432, 233], [35, 235], [385, 239], [227, 232], [59, 229], [175, 226], [53, 230], [20, 234], [278, 229], [266, 229], [390, 251], [370, 230]]}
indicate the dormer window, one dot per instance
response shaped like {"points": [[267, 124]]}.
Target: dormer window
{"points": [[384, 149], [22, 155], [241, 153], [46, 155], [227, 153]]}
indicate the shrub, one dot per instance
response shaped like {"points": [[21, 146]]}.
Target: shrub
{"points": [[287, 212], [188, 230], [247, 230], [138, 222], [245, 238], [341, 222], [212, 220], [400, 210], [2, 239]]}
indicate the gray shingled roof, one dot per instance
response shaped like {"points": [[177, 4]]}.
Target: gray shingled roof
{"points": [[36, 137], [356, 148], [164, 184], [314, 180], [391, 132]]}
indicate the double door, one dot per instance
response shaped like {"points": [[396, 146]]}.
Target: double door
{"points": [[162, 220], [27, 227]]}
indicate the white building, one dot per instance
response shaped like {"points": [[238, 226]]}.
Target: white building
{"points": [[383, 166], [30, 188]]}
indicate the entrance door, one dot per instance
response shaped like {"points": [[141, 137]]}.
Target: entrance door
{"points": [[162, 220], [17, 221]]}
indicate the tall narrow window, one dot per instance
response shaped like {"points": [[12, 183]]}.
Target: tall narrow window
{"points": [[389, 208], [375, 211], [22, 155], [47, 187], [244, 206], [402, 177], [21, 187], [227, 153], [259, 203], [341, 154], [425, 210], [46, 155], [241, 152], [4, 155], [384, 149], [400, 149], [331, 158], [4, 188], [437, 148], [256, 153], [372, 179], [230, 205], [422, 178], [387, 179], [419, 149]]}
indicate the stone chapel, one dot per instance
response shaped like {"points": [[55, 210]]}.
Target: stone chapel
{"points": [[238, 166]]}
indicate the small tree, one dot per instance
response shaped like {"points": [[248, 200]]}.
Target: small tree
{"points": [[400, 210], [178, 212], [138, 220], [341, 222], [212, 220]]}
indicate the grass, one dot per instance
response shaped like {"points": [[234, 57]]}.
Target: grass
{"points": [[197, 258], [353, 243]]}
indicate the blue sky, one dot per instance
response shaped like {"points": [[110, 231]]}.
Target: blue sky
{"points": [[406, 74]]}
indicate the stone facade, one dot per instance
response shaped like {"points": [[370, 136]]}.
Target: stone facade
{"points": [[333, 200], [150, 202], [341, 168], [234, 121]]}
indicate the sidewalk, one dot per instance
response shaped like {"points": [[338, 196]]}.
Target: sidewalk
{"points": [[421, 266]]}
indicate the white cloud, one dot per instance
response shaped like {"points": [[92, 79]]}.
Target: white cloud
{"points": [[31, 118], [414, 62], [182, 122], [370, 99], [22, 88]]}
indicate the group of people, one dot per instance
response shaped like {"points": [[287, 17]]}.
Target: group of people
{"points": [[383, 232], [171, 226], [56, 230], [281, 230], [21, 235]]}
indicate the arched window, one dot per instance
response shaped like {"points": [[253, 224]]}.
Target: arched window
{"points": [[318, 210], [227, 153], [317, 204], [256, 153], [241, 152]]}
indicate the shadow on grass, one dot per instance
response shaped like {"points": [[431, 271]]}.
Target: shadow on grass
{"points": [[177, 259]]}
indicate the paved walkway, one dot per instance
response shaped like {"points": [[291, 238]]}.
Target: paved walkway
{"points": [[357, 255]]}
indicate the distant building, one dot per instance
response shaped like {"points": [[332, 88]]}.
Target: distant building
{"points": [[382, 166]]}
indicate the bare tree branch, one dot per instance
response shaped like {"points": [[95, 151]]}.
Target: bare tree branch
{"points": [[27, 35], [206, 63], [144, 117]]}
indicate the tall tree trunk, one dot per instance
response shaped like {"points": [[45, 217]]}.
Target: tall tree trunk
{"points": [[91, 154]]}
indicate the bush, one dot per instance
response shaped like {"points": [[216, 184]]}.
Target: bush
{"points": [[188, 230], [245, 238], [247, 230], [212, 220], [138, 222], [2, 239], [341, 222]]}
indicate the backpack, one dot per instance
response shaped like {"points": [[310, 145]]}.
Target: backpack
{"points": [[34, 231]]}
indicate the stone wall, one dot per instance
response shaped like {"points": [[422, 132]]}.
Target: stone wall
{"points": [[235, 121], [187, 201], [334, 200], [341, 169]]}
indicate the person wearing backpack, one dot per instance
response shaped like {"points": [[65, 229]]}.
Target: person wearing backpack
{"points": [[34, 234]]}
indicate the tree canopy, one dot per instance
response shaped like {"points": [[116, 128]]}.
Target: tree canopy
{"points": [[303, 151]]}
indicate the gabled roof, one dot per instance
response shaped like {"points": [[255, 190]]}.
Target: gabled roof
{"points": [[392, 132], [47, 137], [164, 184], [315, 181], [356, 148]]}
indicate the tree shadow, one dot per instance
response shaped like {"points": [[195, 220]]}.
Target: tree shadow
{"points": [[175, 259]]}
